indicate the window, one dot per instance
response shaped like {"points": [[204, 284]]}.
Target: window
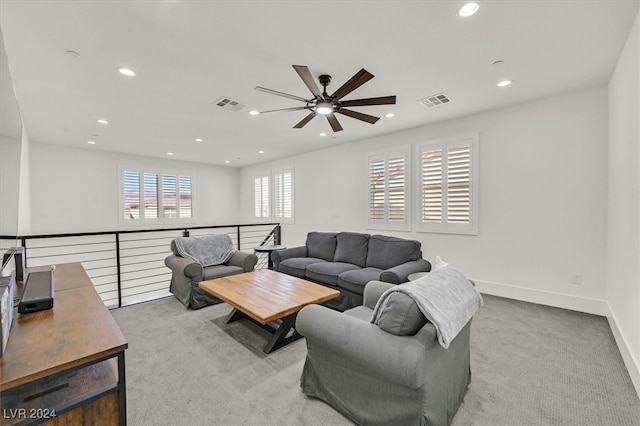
{"points": [[388, 189], [273, 193], [155, 197], [448, 186]]}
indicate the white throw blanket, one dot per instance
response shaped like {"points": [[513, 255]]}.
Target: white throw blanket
{"points": [[445, 296], [208, 250]]}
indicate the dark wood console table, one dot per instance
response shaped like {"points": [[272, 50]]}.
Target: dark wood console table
{"points": [[65, 365]]}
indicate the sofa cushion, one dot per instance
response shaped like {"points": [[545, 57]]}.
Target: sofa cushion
{"points": [[321, 245], [297, 266], [386, 252], [218, 271], [327, 272], [352, 248], [356, 279], [401, 315]]}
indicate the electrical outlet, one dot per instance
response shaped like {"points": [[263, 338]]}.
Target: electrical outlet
{"points": [[576, 279]]}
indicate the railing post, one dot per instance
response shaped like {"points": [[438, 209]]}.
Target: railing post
{"points": [[185, 233], [238, 233], [277, 239], [118, 270]]}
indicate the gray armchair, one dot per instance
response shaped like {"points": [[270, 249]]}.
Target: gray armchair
{"points": [[186, 274], [377, 378]]}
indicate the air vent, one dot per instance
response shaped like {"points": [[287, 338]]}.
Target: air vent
{"points": [[229, 104], [434, 100]]}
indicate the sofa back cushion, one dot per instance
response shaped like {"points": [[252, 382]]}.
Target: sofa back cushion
{"points": [[321, 245], [386, 252], [352, 248]]}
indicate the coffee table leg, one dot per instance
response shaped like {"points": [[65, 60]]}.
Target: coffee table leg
{"points": [[279, 338], [235, 315]]}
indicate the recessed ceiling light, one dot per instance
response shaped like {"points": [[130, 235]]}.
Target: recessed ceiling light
{"points": [[91, 142], [468, 9], [127, 72], [504, 83], [101, 121], [169, 153], [198, 140], [227, 161], [389, 115], [323, 134], [260, 152], [254, 112]]}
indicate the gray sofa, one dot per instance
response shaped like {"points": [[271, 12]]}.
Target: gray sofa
{"points": [[187, 273], [381, 376], [347, 261]]}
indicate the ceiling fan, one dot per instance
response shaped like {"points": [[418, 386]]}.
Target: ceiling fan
{"points": [[328, 105]]}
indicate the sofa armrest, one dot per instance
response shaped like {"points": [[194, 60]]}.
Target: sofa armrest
{"points": [[245, 260], [400, 359], [186, 267], [372, 292], [400, 274], [280, 255]]}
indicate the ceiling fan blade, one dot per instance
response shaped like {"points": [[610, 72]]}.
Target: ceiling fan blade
{"points": [[383, 100], [335, 125], [354, 82], [285, 109], [358, 115], [305, 120], [305, 75], [286, 95]]}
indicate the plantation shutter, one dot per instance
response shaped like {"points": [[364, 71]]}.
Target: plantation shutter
{"points": [[150, 196], [169, 196], [388, 191], [447, 187], [459, 184], [261, 200], [186, 197], [131, 184], [283, 196]]}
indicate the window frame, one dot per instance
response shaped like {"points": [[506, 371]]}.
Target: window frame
{"points": [[444, 226], [159, 219], [263, 215], [387, 223]]}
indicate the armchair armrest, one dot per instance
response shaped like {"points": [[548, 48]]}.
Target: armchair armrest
{"points": [[245, 260], [280, 255], [372, 292], [400, 274], [183, 266], [400, 359]]}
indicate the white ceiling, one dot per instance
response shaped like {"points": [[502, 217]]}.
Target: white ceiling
{"points": [[187, 54]]}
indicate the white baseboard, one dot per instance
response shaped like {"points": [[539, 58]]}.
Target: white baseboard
{"points": [[574, 303], [548, 298], [633, 367]]}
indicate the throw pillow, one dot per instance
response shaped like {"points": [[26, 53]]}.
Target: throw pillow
{"points": [[401, 316], [352, 248]]}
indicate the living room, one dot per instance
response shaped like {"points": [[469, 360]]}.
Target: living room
{"points": [[558, 186]]}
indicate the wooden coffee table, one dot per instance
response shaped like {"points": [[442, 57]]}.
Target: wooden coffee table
{"points": [[268, 297]]}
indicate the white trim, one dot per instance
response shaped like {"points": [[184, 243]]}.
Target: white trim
{"points": [[632, 364], [548, 298]]}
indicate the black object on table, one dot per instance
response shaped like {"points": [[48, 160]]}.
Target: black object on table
{"points": [[268, 250]]}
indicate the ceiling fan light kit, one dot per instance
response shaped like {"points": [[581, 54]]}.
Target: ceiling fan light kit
{"points": [[327, 105]]}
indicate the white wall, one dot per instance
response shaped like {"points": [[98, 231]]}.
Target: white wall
{"points": [[77, 190], [9, 185], [543, 174], [623, 266]]}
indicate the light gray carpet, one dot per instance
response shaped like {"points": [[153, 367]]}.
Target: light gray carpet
{"points": [[531, 365]]}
